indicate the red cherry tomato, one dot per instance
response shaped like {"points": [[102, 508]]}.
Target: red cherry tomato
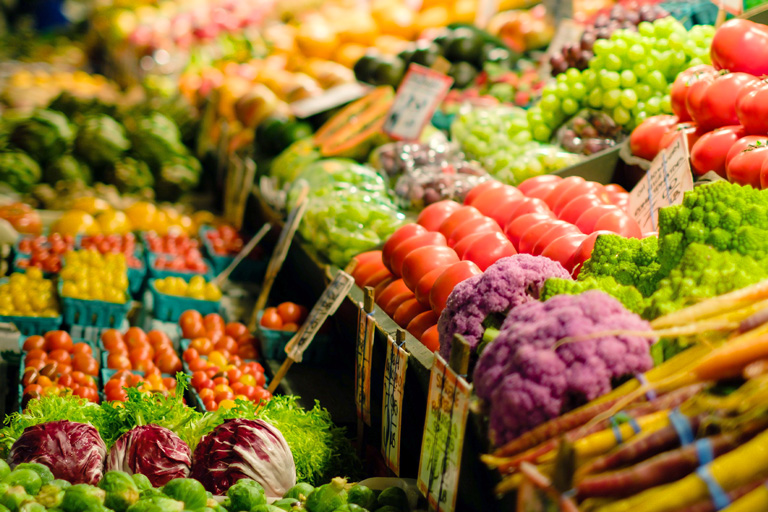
{"points": [[213, 323], [421, 323], [433, 215], [424, 286], [518, 227], [271, 319], [562, 249], [58, 340], [479, 189], [420, 261], [447, 281], [472, 226], [557, 231], [403, 233], [405, 248], [532, 183], [587, 221], [431, 339], [488, 249], [457, 218], [573, 210], [710, 151], [407, 311]]}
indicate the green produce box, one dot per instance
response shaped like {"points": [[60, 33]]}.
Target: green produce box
{"points": [[160, 274], [273, 344], [168, 308], [29, 325], [97, 313]]}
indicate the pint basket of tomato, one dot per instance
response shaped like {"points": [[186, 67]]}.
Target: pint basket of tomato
{"points": [[222, 245], [277, 325], [172, 296], [29, 302], [125, 244]]}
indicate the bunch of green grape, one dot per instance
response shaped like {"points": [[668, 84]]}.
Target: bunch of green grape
{"points": [[500, 139], [629, 78]]}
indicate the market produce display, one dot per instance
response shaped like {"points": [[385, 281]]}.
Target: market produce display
{"points": [[28, 294]]}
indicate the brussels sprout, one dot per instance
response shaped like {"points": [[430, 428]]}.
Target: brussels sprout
{"points": [[121, 490], [32, 506], [61, 484], [266, 508], [42, 471], [300, 491], [46, 134], [188, 490], [82, 498], [3, 508], [387, 508], [149, 493], [4, 469], [350, 507], [14, 497], [245, 495], [141, 481], [287, 503], [328, 497], [50, 495], [157, 504], [361, 495], [394, 497], [27, 478]]}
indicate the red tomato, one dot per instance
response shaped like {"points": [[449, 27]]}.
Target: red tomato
{"points": [[741, 45], [405, 248], [367, 257], [424, 286], [111, 338], [394, 304], [66, 381], [479, 189], [690, 130], [501, 210], [764, 175], [682, 85], [213, 323], [118, 362], [488, 249], [433, 215], [235, 329], [290, 312], [203, 345], [710, 151], [619, 222], [472, 226], [375, 279], [718, 102], [135, 335], [524, 207], [61, 356], [157, 338], [420, 323], [85, 363], [644, 140], [562, 249], [58, 340], [584, 252], [489, 201], [271, 319], [518, 227], [34, 343], [745, 167], [191, 323], [532, 183], [586, 222], [41, 354], [407, 311], [573, 210], [696, 92], [82, 348], [543, 190], [464, 244], [741, 144], [379, 288], [458, 218], [190, 354], [394, 289], [447, 281], [420, 261], [580, 190], [402, 234], [562, 187], [751, 109], [535, 232], [431, 339], [556, 231], [366, 270]]}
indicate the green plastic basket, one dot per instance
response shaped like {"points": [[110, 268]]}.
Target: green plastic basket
{"points": [[273, 344], [692, 12], [160, 274], [249, 270], [96, 313], [168, 308]]}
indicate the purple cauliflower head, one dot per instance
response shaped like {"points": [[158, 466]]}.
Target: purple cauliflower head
{"points": [[507, 283], [526, 381]]}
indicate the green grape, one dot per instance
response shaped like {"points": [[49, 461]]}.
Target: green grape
{"points": [[612, 62], [628, 78], [621, 115], [611, 98], [597, 63], [595, 98], [620, 46], [570, 106], [656, 80], [561, 78], [548, 103], [645, 29], [697, 61], [678, 58], [590, 78], [639, 118], [563, 91], [573, 76], [552, 118], [517, 125], [522, 137], [610, 80], [640, 107], [666, 104], [676, 41], [643, 91], [640, 69], [661, 44], [550, 88], [690, 48], [653, 106], [628, 98], [578, 91], [602, 47], [541, 133], [636, 53]]}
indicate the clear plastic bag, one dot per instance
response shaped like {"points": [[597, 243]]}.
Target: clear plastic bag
{"points": [[589, 132], [424, 185], [398, 157]]}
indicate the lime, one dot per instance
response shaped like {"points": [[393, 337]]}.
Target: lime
{"points": [[365, 66], [426, 54], [390, 71], [464, 45]]}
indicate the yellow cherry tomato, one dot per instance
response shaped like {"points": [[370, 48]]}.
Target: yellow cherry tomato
{"points": [[226, 404], [217, 358], [221, 388], [248, 379]]}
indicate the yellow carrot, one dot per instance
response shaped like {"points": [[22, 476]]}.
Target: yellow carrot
{"points": [[750, 502]]}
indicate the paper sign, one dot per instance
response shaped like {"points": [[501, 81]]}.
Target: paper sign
{"points": [[440, 461], [663, 185], [734, 7], [365, 327], [9, 337], [325, 306], [417, 98], [332, 98], [392, 404]]}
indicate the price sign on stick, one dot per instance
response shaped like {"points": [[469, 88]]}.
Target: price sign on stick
{"points": [[325, 306], [663, 185], [734, 7], [392, 403], [447, 409], [418, 96], [365, 327]]}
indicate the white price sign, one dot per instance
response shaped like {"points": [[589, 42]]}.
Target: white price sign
{"points": [[417, 98], [365, 327], [392, 404], [440, 462], [663, 185], [734, 7], [9, 338]]}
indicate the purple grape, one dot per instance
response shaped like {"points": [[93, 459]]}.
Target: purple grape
{"points": [[587, 41]]}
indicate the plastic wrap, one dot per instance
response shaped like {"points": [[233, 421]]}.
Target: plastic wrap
{"points": [[589, 132]]}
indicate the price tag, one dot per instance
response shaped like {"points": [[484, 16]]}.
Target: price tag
{"points": [[9, 337], [332, 98], [447, 409], [664, 184], [365, 327], [325, 306], [392, 403], [734, 7], [417, 98]]}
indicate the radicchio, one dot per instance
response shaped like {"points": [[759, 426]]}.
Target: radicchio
{"points": [[73, 451], [153, 451], [242, 448]]}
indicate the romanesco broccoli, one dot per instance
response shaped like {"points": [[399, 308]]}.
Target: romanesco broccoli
{"points": [[629, 296], [631, 262]]}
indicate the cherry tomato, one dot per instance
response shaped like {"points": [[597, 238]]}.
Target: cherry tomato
{"points": [[40, 354], [745, 167], [710, 151], [424, 286], [472, 226], [58, 340], [191, 323], [457, 218], [82, 348], [202, 345], [587, 221], [211, 405], [420, 261], [206, 393], [271, 319], [619, 222], [169, 364], [237, 388], [421, 323], [34, 343], [134, 336], [534, 182], [85, 363], [404, 248], [394, 289], [112, 338], [488, 249], [447, 281], [479, 189], [112, 386], [37, 364], [118, 362], [213, 323], [66, 381], [224, 395], [235, 329], [226, 343], [556, 231], [403, 233], [435, 214], [156, 338], [431, 339], [249, 351], [199, 377], [234, 374]]}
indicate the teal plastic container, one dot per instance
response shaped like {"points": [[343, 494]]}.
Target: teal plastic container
{"points": [[31, 325], [160, 274], [273, 344], [169, 308], [248, 271], [97, 313]]}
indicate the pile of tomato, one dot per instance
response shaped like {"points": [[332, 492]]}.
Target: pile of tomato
{"points": [[54, 364], [125, 244], [45, 252], [211, 333], [225, 240], [151, 383], [148, 353], [287, 316]]}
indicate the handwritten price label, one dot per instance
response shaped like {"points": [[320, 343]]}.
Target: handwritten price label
{"points": [[418, 96], [444, 428], [9, 337], [392, 404], [365, 328], [664, 184], [325, 306]]}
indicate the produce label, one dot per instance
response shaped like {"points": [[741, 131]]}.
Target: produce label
{"points": [[365, 328], [418, 96], [447, 409], [664, 184], [734, 7], [9, 337], [325, 306], [394, 383]]}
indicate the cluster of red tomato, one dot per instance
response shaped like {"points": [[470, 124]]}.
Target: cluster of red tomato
{"points": [[723, 114], [210, 333], [152, 383], [285, 317], [225, 240], [125, 244], [54, 364], [148, 353], [45, 252], [220, 387], [175, 252], [170, 243]]}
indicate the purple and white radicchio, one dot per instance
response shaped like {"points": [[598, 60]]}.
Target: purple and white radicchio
{"points": [[72, 451], [152, 450], [242, 448]]}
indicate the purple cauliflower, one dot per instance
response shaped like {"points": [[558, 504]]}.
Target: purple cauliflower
{"points": [[526, 382], [507, 283]]}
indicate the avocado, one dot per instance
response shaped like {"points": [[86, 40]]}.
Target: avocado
{"points": [[497, 55], [364, 67], [406, 55], [426, 54], [464, 45], [442, 38], [389, 71], [462, 73]]}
